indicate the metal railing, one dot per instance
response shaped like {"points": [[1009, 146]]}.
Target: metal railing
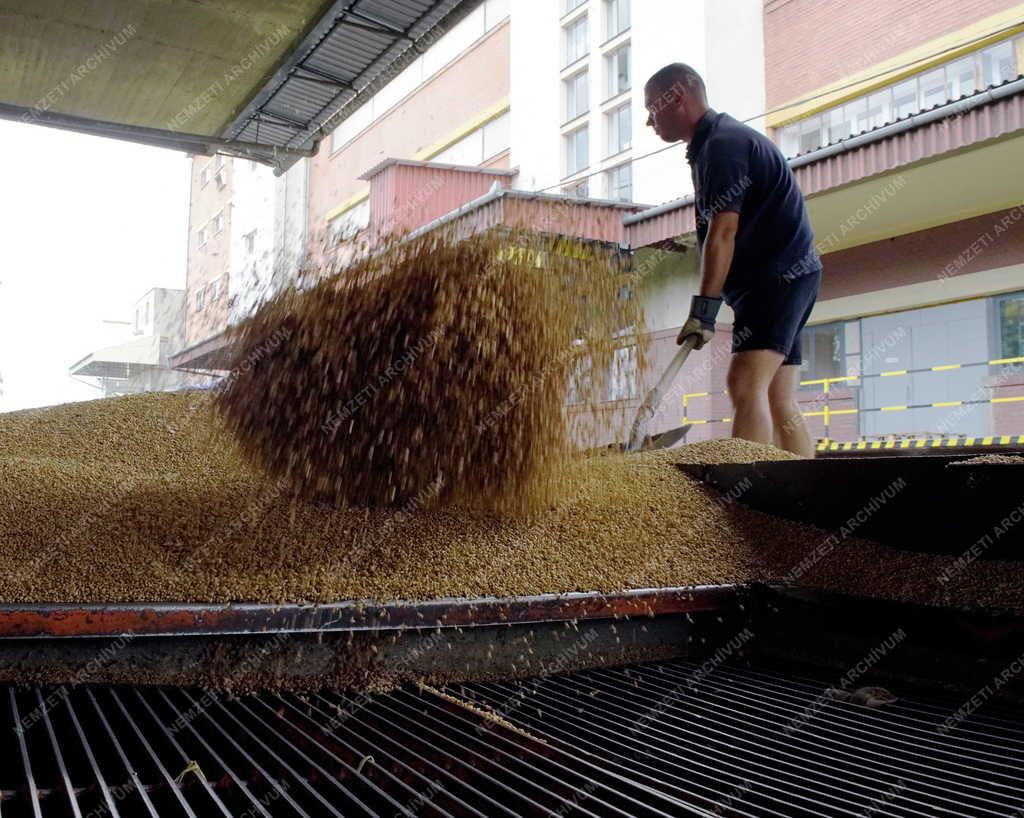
{"points": [[827, 412]]}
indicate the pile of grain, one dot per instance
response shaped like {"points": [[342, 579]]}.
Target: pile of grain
{"points": [[147, 498], [433, 372], [983, 459]]}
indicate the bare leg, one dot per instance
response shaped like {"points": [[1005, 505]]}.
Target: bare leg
{"points": [[750, 374], [790, 426]]}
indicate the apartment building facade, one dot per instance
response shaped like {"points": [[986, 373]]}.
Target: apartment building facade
{"points": [[578, 70], [247, 237]]}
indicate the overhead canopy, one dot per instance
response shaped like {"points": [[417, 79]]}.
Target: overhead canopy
{"points": [[259, 78], [121, 360]]}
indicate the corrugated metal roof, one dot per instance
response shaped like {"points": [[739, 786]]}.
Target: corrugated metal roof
{"points": [[356, 48], [122, 360], [253, 78]]}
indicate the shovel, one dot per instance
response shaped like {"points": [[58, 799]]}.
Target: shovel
{"points": [[639, 440]]}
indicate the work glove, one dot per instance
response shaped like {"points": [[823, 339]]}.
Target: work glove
{"points": [[701, 323]]}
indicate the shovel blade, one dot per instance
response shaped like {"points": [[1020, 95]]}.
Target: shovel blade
{"points": [[663, 440]]}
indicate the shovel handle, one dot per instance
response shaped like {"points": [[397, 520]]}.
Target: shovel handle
{"points": [[655, 396]]}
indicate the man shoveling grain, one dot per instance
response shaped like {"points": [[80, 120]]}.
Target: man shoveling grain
{"points": [[757, 253]]}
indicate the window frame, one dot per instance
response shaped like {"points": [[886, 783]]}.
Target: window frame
{"points": [[619, 5], [570, 84], [573, 189], [611, 70], [609, 175], [568, 30], [613, 119], [839, 327], [623, 378], [571, 137], [997, 324]]}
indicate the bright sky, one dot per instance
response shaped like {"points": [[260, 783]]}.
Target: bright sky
{"points": [[88, 225]]}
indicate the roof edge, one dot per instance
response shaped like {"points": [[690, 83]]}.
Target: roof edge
{"points": [[949, 109], [386, 163]]}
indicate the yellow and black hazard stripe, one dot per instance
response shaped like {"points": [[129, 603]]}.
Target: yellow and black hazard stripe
{"points": [[920, 443]]}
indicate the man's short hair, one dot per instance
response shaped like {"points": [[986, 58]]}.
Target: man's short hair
{"points": [[679, 75]]}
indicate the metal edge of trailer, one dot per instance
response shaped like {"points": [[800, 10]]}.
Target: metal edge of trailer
{"points": [[49, 620], [890, 500]]}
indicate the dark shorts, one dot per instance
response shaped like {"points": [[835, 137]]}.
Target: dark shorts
{"points": [[772, 314]]}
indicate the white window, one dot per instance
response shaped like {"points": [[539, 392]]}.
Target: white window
{"points": [[620, 183], [933, 88], [218, 223], [497, 136], [218, 161], [250, 242], [572, 4], [494, 12], [480, 145], [904, 98], [998, 64], [199, 299], [839, 125], [879, 108], [789, 140], [203, 236], [619, 127], [577, 95], [857, 113], [220, 179], [215, 291], [617, 17], [961, 78], [467, 151], [348, 225], [352, 126], [576, 40], [810, 134], [204, 176], [580, 190], [146, 319], [577, 150], [617, 68]]}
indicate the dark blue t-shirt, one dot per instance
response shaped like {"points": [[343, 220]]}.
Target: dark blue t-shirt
{"points": [[736, 168]]}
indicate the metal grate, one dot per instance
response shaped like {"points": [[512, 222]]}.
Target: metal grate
{"points": [[752, 742], [653, 740]]}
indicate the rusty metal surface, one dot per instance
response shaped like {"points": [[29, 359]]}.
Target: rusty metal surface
{"points": [[37, 620]]}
